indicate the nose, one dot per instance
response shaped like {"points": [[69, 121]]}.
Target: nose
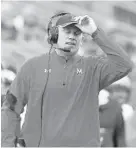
{"points": [[71, 36]]}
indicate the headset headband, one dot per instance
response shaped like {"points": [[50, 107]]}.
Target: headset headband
{"points": [[56, 15]]}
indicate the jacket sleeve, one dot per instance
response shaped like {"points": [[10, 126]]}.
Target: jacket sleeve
{"points": [[12, 107], [116, 65]]}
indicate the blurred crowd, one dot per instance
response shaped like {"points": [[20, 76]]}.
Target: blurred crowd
{"points": [[25, 27], [25, 23], [117, 115], [24, 32]]}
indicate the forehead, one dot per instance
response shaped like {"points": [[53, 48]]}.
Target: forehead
{"points": [[72, 27]]}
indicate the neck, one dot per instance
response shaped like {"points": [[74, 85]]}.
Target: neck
{"points": [[65, 53]]}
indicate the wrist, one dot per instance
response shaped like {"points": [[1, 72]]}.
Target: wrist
{"points": [[94, 34]]}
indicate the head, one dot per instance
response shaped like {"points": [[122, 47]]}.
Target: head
{"points": [[8, 74], [120, 94], [7, 77], [120, 90], [64, 34]]}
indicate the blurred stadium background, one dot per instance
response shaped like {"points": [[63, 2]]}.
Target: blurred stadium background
{"points": [[24, 29]]}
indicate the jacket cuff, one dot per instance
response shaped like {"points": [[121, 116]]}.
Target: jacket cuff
{"points": [[95, 33]]}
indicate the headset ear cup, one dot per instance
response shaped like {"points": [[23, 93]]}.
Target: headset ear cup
{"points": [[53, 31], [54, 35]]}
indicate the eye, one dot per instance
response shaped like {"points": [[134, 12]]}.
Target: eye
{"points": [[77, 33], [67, 30]]}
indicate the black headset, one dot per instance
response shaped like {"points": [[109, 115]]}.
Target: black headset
{"points": [[52, 30]]}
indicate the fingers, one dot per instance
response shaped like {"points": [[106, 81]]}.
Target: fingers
{"points": [[84, 20], [86, 24]]}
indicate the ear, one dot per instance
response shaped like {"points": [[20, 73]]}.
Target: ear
{"points": [[60, 28]]}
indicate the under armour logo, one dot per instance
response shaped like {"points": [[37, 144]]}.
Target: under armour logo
{"points": [[46, 70], [79, 71]]}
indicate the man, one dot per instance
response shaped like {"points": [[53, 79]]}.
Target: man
{"points": [[131, 131], [7, 76], [57, 87], [111, 121], [120, 91]]}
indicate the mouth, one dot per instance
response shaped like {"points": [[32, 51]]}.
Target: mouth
{"points": [[71, 43]]}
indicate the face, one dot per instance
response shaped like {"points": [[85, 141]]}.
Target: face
{"points": [[69, 38], [120, 96]]}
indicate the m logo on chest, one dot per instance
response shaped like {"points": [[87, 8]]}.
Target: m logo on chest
{"points": [[79, 71]]}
